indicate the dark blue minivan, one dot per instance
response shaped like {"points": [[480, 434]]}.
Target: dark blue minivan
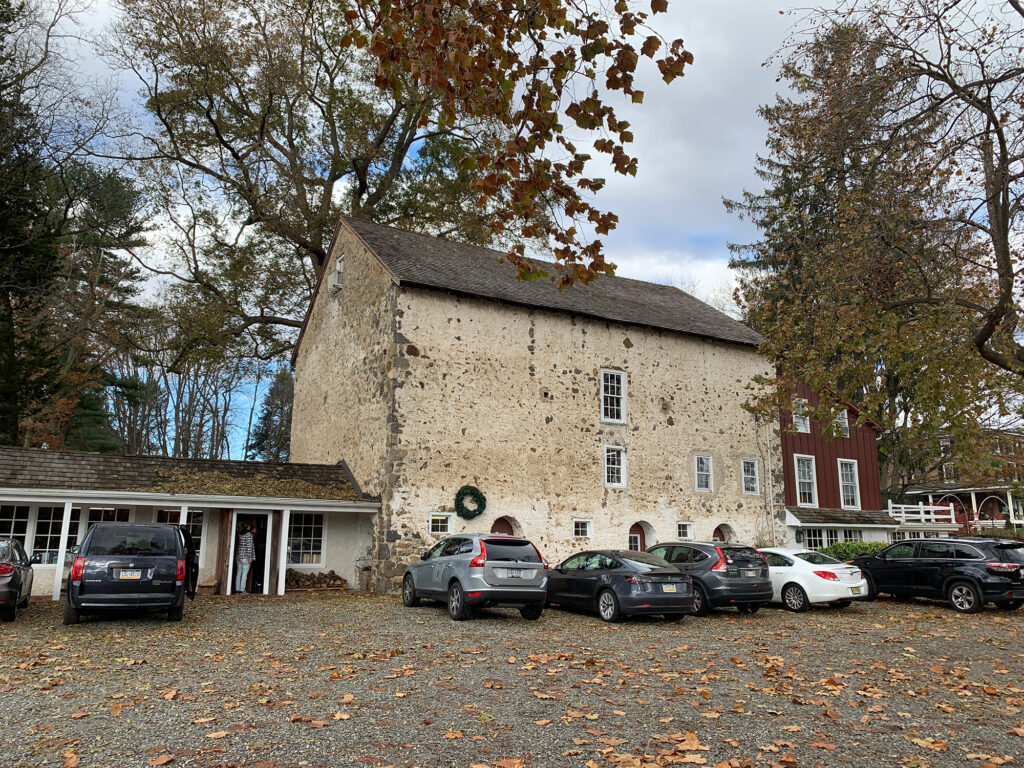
{"points": [[127, 565]]}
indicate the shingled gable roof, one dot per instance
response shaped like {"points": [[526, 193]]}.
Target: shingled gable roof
{"points": [[432, 262], [80, 471]]}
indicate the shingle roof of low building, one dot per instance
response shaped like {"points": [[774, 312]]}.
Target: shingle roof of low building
{"points": [[432, 262], [74, 470], [809, 515]]}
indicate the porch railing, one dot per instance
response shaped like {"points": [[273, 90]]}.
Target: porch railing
{"points": [[922, 514]]}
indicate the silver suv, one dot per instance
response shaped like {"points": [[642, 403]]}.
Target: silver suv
{"points": [[475, 569]]}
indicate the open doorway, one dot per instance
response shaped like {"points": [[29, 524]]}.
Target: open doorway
{"points": [[255, 581]]}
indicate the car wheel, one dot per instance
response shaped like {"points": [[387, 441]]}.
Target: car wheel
{"points": [[870, 592], [409, 597], [842, 603], [1010, 605], [794, 598], [176, 613], [458, 610], [964, 597], [748, 607], [701, 606], [531, 612], [608, 606], [71, 614]]}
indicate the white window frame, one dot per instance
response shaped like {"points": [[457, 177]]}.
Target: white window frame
{"points": [[853, 534], [801, 418], [323, 540], [843, 422], [684, 533], [796, 477], [622, 397], [607, 449], [448, 523], [587, 523], [757, 478], [697, 473], [856, 483]]}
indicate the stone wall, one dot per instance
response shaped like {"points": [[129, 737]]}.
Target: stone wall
{"points": [[506, 398], [343, 392]]}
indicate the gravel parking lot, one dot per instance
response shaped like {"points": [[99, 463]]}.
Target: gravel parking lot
{"points": [[342, 679]]}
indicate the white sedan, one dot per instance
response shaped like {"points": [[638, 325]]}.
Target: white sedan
{"points": [[802, 577]]}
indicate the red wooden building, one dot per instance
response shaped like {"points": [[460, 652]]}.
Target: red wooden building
{"points": [[831, 480]]}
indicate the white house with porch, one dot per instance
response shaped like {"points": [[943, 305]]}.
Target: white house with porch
{"points": [[310, 518]]}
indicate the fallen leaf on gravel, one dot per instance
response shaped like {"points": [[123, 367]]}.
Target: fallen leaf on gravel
{"points": [[77, 715], [202, 720], [691, 758], [342, 716], [823, 745], [690, 743], [115, 710], [542, 722], [453, 735], [170, 695], [162, 760], [510, 762], [217, 735], [318, 723], [1017, 731], [71, 759], [347, 698]]}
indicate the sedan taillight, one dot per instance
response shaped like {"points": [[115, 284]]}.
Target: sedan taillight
{"points": [[827, 575], [6, 569], [638, 579], [179, 572], [77, 569]]}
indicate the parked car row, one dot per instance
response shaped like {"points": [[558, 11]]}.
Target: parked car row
{"points": [[677, 578]]}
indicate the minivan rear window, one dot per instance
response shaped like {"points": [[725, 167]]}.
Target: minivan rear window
{"points": [[132, 540], [513, 550]]}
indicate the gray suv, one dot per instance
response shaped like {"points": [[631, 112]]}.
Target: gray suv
{"points": [[474, 569], [722, 573]]}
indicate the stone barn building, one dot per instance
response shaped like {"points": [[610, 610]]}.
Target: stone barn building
{"points": [[605, 415]]}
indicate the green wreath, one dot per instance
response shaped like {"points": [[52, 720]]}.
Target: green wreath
{"points": [[460, 506]]}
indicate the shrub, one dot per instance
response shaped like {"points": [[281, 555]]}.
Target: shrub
{"points": [[846, 550]]}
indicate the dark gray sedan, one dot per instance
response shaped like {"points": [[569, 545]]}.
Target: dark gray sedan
{"points": [[618, 583], [15, 578]]}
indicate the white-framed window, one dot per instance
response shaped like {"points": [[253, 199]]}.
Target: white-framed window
{"points": [[816, 538], [801, 419], [107, 515], [853, 534], [634, 542], [306, 538], [806, 481], [614, 466], [751, 481], [843, 423], [702, 474], [46, 542], [684, 530], [613, 396], [849, 484], [440, 523], [14, 522], [581, 528], [193, 522]]}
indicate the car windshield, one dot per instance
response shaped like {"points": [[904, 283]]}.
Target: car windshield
{"points": [[513, 550], [816, 558], [132, 540], [642, 561]]}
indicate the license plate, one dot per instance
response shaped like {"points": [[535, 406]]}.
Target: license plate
{"points": [[131, 573], [750, 574], [854, 590], [668, 587], [514, 573]]}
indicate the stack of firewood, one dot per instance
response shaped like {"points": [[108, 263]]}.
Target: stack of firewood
{"points": [[302, 580]]}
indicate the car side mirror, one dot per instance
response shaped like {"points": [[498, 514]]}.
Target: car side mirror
{"points": [[36, 560], [425, 555], [74, 549]]}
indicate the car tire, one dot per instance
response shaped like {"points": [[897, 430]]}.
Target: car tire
{"points": [[748, 607], [71, 614], [608, 606], [1010, 605], [870, 592], [176, 613], [795, 599], [409, 597], [24, 603], [458, 610], [10, 613], [701, 605], [964, 597], [531, 612], [842, 603]]}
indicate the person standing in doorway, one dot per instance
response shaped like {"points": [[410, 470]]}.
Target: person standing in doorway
{"points": [[245, 553]]}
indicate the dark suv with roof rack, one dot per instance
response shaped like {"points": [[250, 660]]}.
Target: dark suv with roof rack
{"points": [[968, 572]]}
